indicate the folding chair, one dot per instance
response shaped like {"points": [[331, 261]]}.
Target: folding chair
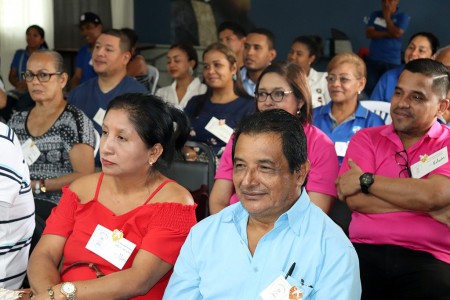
{"points": [[196, 176]]}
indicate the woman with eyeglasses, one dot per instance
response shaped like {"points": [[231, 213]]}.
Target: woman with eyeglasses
{"points": [[57, 138], [344, 115], [283, 85], [225, 102]]}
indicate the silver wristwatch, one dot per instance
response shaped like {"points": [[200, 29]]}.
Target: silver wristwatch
{"points": [[68, 289]]}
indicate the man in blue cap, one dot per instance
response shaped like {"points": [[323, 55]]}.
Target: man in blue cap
{"points": [[91, 27]]}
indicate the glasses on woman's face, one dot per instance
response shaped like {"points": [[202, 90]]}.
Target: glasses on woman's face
{"points": [[41, 76], [401, 158], [342, 80], [276, 95]]}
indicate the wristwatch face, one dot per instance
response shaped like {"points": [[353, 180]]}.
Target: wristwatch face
{"points": [[366, 179], [68, 288]]}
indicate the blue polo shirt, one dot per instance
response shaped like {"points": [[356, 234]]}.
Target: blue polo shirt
{"points": [[84, 62], [384, 90], [216, 263], [342, 134], [387, 49]]}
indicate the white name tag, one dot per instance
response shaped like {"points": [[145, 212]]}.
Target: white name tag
{"points": [[426, 164], [341, 148], [380, 22], [277, 290], [30, 151], [110, 245], [99, 116], [219, 129]]}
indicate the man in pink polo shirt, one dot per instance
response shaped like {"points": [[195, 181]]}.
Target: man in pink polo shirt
{"points": [[396, 179]]}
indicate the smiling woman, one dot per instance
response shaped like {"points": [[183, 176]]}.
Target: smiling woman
{"points": [[225, 102]]}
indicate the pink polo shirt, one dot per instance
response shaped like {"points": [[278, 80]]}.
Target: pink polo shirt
{"points": [[321, 154], [373, 150]]}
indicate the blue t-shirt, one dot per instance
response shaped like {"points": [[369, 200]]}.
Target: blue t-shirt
{"points": [[384, 90], [342, 134], [83, 61], [89, 98], [232, 112], [19, 62], [387, 49], [215, 261]]}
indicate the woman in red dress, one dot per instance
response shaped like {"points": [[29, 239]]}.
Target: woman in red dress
{"points": [[119, 231]]}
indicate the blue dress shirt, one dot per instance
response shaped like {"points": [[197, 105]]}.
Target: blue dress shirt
{"points": [[247, 83], [215, 261]]}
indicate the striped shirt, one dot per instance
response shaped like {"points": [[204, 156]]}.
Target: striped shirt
{"points": [[16, 210]]}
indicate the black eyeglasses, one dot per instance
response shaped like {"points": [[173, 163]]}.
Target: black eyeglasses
{"points": [[41, 76], [276, 95], [401, 158]]}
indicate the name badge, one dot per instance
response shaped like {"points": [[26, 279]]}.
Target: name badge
{"points": [[219, 129], [99, 116], [110, 245], [277, 290], [426, 164], [341, 148], [380, 22], [30, 151]]}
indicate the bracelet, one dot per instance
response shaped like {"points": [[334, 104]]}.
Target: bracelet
{"points": [[51, 293], [39, 187]]}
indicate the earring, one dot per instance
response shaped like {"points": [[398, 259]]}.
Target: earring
{"points": [[359, 92], [234, 77], [191, 71], [299, 113], [150, 163]]}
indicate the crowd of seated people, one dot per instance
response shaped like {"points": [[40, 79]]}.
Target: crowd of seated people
{"points": [[116, 224]]}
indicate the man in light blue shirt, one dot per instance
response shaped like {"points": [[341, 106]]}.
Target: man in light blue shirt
{"points": [[259, 51], [275, 242]]}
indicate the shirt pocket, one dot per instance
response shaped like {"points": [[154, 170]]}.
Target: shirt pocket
{"points": [[300, 288]]}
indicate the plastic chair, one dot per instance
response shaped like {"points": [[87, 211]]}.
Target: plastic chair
{"points": [[380, 108], [196, 176], [97, 142], [153, 77]]}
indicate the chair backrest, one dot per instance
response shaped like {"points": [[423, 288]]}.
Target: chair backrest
{"points": [[97, 142], [153, 77], [196, 176], [380, 108]]}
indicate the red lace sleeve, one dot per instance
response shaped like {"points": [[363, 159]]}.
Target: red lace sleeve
{"points": [[166, 235]]}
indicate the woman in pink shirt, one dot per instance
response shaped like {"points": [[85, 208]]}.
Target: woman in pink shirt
{"points": [[285, 86]]}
